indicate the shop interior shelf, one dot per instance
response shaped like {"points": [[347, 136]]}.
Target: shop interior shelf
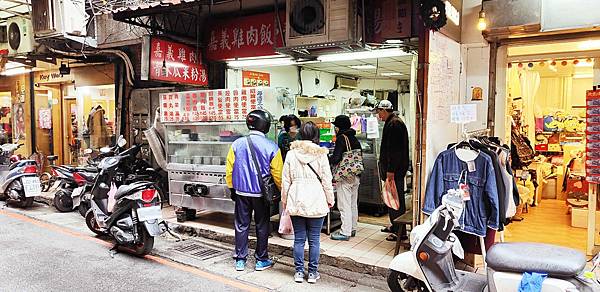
{"points": [[314, 98], [202, 142]]}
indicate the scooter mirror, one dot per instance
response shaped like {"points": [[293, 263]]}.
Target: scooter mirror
{"points": [[121, 142], [88, 151]]}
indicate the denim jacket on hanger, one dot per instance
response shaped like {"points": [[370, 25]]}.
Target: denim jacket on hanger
{"points": [[482, 210]]}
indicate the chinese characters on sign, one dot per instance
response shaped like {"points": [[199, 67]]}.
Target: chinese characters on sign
{"points": [[253, 79], [175, 62], [391, 19], [210, 105], [592, 163], [250, 36]]}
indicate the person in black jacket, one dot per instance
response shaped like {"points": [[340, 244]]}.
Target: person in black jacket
{"points": [[347, 189], [393, 159]]}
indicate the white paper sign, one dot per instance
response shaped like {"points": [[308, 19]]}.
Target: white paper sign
{"points": [[463, 113]]}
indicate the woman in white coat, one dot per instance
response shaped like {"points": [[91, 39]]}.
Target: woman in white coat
{"points": [[307, 195]]}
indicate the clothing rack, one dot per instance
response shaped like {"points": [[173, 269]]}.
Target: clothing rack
{"points": [[476, 133]]}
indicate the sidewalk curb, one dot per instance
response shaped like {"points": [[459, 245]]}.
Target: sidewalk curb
{"points": [[276, 249]]}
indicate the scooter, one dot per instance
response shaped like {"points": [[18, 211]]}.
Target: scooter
{"points": [[429, 265], [72, 184], [20, 181], [136, 217]]}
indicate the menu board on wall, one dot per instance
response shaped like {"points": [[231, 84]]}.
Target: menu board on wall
{"points": [[210, 105], [592, 163], [253, 79]]}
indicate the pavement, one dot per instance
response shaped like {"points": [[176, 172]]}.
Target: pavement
{"points": [[52, 251]]}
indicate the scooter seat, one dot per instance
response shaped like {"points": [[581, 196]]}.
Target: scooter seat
{"points": [[520, 257], [128, 189]]}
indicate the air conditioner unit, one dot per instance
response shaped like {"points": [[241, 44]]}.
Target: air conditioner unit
{"points": [[20, 36], [52, 18], [312, 24], [346, 83]]}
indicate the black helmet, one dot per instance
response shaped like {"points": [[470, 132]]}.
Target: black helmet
{"points": [[259, 120]]}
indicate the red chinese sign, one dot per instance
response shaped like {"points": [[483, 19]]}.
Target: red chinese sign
{"points": [[175, 62], [253, 79], [391, 19], [249, 36], [210, 105], [592, 163]]}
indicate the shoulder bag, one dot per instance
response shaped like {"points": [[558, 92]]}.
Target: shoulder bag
{"points": [[351, 164], [268, 188]]}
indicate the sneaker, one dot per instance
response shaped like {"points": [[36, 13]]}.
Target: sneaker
{"points": [[263, 265], [313, 277], [353, 234], [240, 265], [299, 277], [339, 236]]}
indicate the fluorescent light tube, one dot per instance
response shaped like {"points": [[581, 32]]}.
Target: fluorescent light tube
{"points": [[363, 67], [383, 53]]}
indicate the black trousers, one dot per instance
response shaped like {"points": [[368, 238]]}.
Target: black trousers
{"points": [[401, 196], [244, 207]]}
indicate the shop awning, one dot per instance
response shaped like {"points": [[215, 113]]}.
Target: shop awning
{"points": [[12, 8]]}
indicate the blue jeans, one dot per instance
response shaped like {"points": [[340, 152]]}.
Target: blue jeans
{"points": [[303, 228]]}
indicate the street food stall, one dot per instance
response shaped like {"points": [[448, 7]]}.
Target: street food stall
{"points": [[200, 127]]}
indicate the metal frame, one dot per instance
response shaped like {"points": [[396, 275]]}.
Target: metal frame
{"points": [[179, 20]]}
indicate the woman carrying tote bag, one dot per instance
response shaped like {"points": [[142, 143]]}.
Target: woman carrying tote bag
{"points": [[347, 166], [307, 195]]}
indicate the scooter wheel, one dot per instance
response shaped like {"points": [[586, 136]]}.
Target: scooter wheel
{"points": [[90, 221], [400, 282], [146, 243], [63, 202]]}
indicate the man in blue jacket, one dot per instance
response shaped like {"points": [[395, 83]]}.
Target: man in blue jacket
{"points": [[242, 179]]}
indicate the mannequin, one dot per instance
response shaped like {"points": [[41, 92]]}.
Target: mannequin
{"points": [[97, 128]]}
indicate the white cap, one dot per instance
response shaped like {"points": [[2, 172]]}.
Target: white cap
{"points": [[384, 105]]}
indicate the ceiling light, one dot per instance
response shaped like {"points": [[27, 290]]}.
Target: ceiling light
{"points": [[363, 67], [395, 42], [15, 71], [373, 54], [589, 45], [391, 74], [585, 63], [261, 62], [481, 23]]}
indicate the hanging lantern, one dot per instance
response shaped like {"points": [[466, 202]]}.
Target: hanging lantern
{"points": [[575, 62], [520, 65], [542, 63], [530, 65], [564, 63], [509, 65], [553, 63], [589, 60]]}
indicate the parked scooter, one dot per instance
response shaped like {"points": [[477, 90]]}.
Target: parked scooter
{"points": [[71, 179], [136, 217], [429, 265], [20, 181]]}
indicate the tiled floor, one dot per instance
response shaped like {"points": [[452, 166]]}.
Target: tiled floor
{"points": [[368, 247]]}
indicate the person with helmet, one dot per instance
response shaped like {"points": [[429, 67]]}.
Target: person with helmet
{"points": [[242, 180]]}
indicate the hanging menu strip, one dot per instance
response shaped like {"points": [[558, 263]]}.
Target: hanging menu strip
{"points": [[210, 105], [592, 161]]}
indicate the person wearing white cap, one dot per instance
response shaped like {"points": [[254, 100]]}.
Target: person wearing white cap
{"points": [[393, 159]]}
